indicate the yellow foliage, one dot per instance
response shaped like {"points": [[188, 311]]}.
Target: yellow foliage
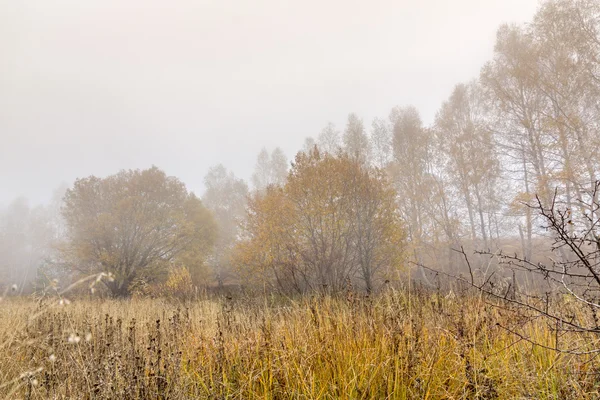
{"points": [[335, 220], [179, 284], [134, 224]]}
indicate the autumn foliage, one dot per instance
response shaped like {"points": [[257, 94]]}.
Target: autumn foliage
{"points": [[333, 223], [135, 224]]}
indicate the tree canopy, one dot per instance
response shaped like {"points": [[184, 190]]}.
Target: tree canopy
{"points": [[333, 222], [135, 224]]}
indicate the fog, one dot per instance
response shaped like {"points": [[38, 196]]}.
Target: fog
{"points": [[210, 199], [91, 87]]}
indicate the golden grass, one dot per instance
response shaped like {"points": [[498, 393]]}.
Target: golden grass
{"points": [[398, 345]]}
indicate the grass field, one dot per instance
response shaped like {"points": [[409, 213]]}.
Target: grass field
{"points": [[398, 345]]}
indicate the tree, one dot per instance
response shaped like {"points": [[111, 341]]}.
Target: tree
{"points": [[412, 168], [356, 142], [426, 203], [262, 171], [335, 220], [570, 302], [309, 144], [135, 224], [329, 139], [567, 72], [226, 196], [543, 86], [470, 156], [279, 167], [509, 82], [381, 142], [271, 169], [378, 227], [27, 235]]}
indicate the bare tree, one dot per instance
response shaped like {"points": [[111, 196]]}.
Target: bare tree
{"points": [[226, 196], [279, 167], [329, 139], [381, 143], [271, 169], [356, 141], [27, 235], [569, 298], [470, 156], [262, 171], [518, 107], [411, 169]]}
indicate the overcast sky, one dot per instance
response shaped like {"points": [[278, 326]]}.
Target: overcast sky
{"points": [[94, 86]]}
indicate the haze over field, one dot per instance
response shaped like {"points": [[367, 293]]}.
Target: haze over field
{"points": [[319, 200], [91, 87]]}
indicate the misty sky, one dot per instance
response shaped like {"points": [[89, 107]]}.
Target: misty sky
{"points": [[94, 86]]}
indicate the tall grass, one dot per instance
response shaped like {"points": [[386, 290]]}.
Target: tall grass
{"points": [[397, 345]]}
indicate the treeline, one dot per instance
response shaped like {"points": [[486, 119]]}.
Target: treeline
{"points": [[527, 126], [359, 202], [28, 235]]}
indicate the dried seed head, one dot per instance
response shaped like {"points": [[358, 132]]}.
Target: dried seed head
{"points": [[29, 374], [52, 358], [74, 338], [88, 337]]}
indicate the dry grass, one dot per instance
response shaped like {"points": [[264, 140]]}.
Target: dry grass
{"points": [[399, 345]]}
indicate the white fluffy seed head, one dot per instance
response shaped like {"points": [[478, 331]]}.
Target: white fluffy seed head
{"points": [[52, 358], [64, 302], [74, 338]]}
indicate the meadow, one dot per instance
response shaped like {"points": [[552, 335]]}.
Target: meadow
{"points": [[400, 344]]}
